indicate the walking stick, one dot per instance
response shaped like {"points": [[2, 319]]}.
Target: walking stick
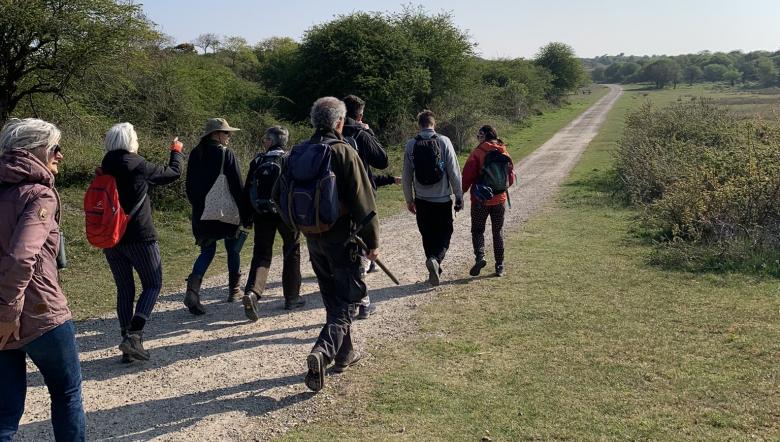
{"points": [[354, 237]]}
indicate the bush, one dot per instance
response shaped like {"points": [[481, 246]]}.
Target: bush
{"points": [[708, 183]]}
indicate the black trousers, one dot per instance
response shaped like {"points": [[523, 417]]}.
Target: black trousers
{"points": [[266, 227], [434, 220], [479, 216], [337, 267]]}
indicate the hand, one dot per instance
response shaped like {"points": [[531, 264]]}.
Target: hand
{"points": [[372, 254], [411, 208], [176, 145], [397, 180], [8, 329], [365, 125], [458, 205]]}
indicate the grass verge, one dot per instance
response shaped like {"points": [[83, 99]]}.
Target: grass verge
{"points": [[582, 340]]}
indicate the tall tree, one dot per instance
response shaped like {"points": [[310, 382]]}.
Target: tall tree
{"points": [[692, 73], [47, 44], [662, 72], [567, 70]]}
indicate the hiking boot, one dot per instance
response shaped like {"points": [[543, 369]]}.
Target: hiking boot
{"points": [[364, 311], [258, 278], [479, 264], [251, 308], [126, 359], [234, 291], [433, 271], [294, 303], [315, 377], [499, 270], [133, 346], [340, 366], [192, 297]]}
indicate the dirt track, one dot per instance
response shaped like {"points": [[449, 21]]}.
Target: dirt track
{"points": [[220, 377]]}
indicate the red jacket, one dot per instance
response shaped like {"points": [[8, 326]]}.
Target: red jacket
{"points": [[473, 168], [29, 243]]}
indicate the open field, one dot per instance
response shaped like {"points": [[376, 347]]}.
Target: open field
{"points": [[582, 339], [88, 283]]}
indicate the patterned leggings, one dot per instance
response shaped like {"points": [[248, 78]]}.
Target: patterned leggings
{"points": [[144, 258], [479, 216]]}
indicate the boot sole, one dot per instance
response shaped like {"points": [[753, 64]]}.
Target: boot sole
{"points": [[250, 308], [315, 378]]}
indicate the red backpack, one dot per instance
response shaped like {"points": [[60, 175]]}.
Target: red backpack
{"points": [[105, 220]]}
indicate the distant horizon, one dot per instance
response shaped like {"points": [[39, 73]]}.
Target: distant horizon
{"points": [[509, 29]]}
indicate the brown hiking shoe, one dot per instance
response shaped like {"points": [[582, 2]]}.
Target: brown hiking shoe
{"points": [[350, 360], [133, 345], [251, 308]]}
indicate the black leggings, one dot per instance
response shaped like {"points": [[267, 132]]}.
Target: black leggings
{"points": [[479, 216]]}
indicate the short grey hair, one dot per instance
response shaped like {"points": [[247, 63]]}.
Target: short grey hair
{"points": [[29, 134], [326, 111], [121, 136], [278, 135]]}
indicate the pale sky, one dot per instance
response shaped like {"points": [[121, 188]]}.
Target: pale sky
{"points": [[504, 28]]}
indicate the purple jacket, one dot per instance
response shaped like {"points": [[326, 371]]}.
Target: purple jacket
{"points": [[29, 242]]}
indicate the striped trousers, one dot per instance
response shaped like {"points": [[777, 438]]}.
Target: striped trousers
{"points": [[479, 216], [144, 258]]}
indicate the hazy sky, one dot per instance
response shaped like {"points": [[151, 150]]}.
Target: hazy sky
{"points": [[504, 28]]}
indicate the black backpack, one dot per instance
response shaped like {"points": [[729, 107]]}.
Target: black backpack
{"points": [[426, 158], [267, 170]]}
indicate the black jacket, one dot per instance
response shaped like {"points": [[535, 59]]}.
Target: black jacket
{"points": [[133, 176], [202, 172], [369, 149]]}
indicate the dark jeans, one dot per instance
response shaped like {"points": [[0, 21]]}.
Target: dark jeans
{"points": [[56, 356], [208, 249], [434, 220], [266, 227], [144, 258], [338, 273]]}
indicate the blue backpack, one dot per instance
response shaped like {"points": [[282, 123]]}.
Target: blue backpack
{"points": [[308, 197]]}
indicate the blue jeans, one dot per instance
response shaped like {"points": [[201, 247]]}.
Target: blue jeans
{"points": [[233, 248], [57, 358]]}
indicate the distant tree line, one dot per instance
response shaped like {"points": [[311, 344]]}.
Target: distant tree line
{"points": [[759, 68], [88, 63]]}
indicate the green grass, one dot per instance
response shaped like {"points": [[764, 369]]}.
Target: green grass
{"points": [[582, 340], [89, 286]]}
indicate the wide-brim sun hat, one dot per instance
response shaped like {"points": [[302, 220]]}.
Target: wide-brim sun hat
{"points": [[217, 125]]}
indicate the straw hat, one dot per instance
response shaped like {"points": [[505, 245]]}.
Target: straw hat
{"points": [[217, 124]]}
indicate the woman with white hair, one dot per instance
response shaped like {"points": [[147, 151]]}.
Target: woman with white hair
{"points": [[138, 249], [34, 317]]}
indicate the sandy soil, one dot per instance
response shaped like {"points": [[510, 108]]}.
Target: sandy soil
{"points": [[220, 377]]}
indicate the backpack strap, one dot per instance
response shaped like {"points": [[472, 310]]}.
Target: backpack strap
{"points": [[137, 206]]}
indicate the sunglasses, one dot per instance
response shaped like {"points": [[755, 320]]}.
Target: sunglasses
{"points": [[56, 149]]}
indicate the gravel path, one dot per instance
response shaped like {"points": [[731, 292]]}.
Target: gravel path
{"points": [[220, 377]]}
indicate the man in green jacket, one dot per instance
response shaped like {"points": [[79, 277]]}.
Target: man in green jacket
{"points": [[335, 258]]}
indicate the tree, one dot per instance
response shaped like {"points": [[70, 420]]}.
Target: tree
{"points": [[442, 48], [714, 72], [662, 72], [766, 71], [45, 45], [566, 69], [627, 70], [362, 54], [732, 76], [612, 73], [692, 73], [597, 74], [207, 41]]}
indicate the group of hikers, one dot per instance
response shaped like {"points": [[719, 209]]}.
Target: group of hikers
{"points": [[323, 188]]}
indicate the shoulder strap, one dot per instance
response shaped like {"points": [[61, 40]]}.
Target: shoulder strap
{"points": [[222, 165], [137, 206]]}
